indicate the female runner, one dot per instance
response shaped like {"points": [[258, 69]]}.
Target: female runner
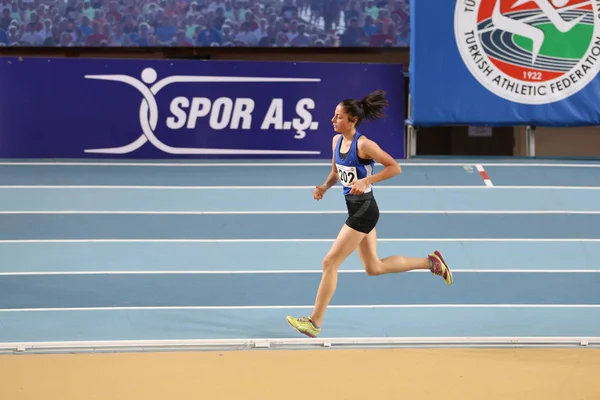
{"points": [[353, 159]]}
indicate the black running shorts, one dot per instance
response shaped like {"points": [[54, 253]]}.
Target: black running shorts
{"points": [[363, 212]]}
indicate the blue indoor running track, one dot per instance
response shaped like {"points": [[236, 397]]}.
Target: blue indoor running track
{"points": [[113, 254]]}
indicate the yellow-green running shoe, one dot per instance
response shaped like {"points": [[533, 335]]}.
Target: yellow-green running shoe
{"points": [[439, 267], [304, 325]]}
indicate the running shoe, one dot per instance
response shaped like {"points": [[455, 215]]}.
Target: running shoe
{"points": [[304, 325], [440, 267]]}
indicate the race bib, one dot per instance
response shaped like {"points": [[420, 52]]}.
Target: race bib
{"points": [[347, 174]]}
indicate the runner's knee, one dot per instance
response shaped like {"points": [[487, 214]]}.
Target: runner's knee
{"points": [[373, 267], [330, 263]]}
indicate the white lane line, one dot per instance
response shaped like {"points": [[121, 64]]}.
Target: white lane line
{"points": [[308, 187], [276, 272], [284, 164], [292, 212], [358, 306], [501, 240]]}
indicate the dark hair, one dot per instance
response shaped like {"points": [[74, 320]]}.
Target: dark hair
{"points": [[370, 107]]}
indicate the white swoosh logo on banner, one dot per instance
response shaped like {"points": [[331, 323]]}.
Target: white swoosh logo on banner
{"points": [[149, 114]]}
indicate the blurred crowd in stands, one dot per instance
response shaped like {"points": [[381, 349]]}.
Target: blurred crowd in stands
{"points": [[232, 23]]}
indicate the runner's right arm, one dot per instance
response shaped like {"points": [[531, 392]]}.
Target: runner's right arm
{"points": [[333, 176]]}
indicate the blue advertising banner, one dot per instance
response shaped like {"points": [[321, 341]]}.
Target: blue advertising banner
{"points": [[505, 62], [106, 108]]}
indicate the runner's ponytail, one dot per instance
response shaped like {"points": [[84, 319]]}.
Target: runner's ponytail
{"points": [[370, 107], [373, 105]]}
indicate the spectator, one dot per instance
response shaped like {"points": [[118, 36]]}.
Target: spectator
{"points": [[208, 35], [32, 36], [143, 36], [88, 11], [354, 36], [166, 29], [4, 4], [219, 19], [227, 36], [302, 39], [6, 19], [14, 35], [86, 27], [181, 40], [372, 10], [66, 40], [289, 11], [403, 36], [352, 12], [380, 36], [118, 38], [369, 26], [291, 30], [96, 36], [4, 37]]}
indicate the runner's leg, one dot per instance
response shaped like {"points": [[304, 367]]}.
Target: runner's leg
{"points": [[367, 251], [346, 242], [374, 266]]}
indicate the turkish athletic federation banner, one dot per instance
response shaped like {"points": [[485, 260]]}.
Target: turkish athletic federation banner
{"points": [[505, 62], [91, 108]]}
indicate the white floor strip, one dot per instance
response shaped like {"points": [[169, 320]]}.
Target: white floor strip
{"points": [[440, 240], [290, 307], [322, 341], [297, 271]]}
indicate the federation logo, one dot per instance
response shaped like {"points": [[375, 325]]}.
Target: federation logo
{"points": [[530, 51]]}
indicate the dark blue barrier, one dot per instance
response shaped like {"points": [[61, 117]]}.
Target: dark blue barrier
{"points": [[91, 108], [514, 62]]}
